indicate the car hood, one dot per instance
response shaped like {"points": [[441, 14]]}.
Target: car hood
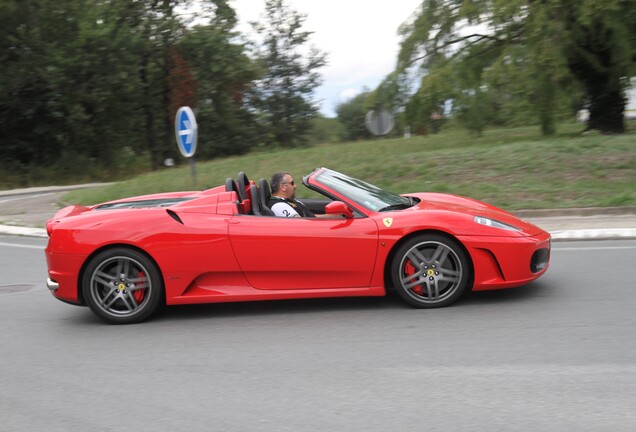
{"points": [[471, 207]]}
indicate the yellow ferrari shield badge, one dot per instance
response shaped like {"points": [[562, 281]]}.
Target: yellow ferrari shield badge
{"points": [[387, 222]]}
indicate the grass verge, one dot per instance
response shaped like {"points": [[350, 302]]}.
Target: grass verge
{"points": [[510, 168]]}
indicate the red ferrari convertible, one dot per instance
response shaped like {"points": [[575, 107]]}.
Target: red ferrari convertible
{"points": [[126, 258]]}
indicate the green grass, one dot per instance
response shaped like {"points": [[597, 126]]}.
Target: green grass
{"points": [[511, 168]]}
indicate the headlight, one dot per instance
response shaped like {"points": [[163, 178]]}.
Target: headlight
{"points": [[495, 224]]}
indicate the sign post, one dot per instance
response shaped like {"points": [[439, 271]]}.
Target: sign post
{"points": [[186, 132], [380, 123]]}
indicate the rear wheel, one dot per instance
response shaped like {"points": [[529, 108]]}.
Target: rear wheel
{"points": [[122, 286], [430, 271]]}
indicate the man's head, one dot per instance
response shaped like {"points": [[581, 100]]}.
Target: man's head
{"points": [[282, 185]]}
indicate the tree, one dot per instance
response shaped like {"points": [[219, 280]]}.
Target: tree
{"points": [[224, 73], [326, 130], [351, 115], [602, 55], [64, 74], [195, 65], [97, 83], [546, 51], [281, 97], [158, 30]]}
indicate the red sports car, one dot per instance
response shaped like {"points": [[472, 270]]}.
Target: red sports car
{"points": [[125, 258]]}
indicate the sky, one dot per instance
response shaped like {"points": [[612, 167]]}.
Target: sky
{"points": [[359, 37]]}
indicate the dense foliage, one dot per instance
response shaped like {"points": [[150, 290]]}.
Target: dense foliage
{"points": [[91, 87], [282, 95], [510, 61], [351, 114]]}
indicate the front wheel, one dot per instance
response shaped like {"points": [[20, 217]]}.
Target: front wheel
{"points": [[122, 286], [430, 271]]}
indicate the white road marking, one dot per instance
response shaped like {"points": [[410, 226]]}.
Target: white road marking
{"points": [[25, 197], [22, 246]]}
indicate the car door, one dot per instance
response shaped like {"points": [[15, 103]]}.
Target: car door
{"points": [[304, 253]]}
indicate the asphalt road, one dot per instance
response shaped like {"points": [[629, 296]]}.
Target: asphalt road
{"points": [[29, 208], [556, 355]]}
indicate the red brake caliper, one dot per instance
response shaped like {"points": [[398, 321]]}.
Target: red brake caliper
{"points": [[140, 293], [410, 270]]}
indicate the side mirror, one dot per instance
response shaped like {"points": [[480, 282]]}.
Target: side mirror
{"points": [[338, 207]]}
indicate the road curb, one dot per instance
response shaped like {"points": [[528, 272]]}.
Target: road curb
{"points": [[44, 189], [22, 231], [595, 234], [575, 212]]}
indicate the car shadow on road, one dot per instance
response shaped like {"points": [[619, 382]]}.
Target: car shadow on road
{"points": [[356, 305], [389, 305], [529, 292], [278, 307], [84, 317]]}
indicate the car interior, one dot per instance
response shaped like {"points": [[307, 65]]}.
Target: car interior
{"points": [[253, 198]]}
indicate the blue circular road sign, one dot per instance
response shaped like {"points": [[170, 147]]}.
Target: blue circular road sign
{"points": [[186, 131]]}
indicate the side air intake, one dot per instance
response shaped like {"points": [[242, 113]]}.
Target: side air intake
{"points": [[175, 216]]}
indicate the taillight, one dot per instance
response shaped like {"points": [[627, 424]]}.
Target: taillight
{"points": [[49, 226]]}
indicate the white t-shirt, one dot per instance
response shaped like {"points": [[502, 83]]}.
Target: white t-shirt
{"points": [[282, 209]]}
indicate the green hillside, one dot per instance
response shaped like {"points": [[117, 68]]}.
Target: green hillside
{"points": [[511, 168]]}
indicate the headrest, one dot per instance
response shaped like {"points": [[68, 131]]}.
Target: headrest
{"points": [[264, 186], [256, 204], [230, 185], [264, 195], [243, 185]]}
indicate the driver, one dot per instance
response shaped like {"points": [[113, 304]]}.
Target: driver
{"points": [[283, 200]]}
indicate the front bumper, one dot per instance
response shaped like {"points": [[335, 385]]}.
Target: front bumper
{"points": [[500, 262]]}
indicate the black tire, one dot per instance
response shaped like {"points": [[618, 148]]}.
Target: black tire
{"points": [[430, 271], [122, 286]]}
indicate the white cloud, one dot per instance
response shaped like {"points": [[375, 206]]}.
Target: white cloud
{"points": [[349, 93], [359, 36]]}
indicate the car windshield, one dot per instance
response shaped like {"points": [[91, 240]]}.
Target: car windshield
{"points": [[363, 193]]}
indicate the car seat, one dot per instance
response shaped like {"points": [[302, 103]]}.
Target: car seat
{"points": [[242, 204], [264, 196], [256, 203]]}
